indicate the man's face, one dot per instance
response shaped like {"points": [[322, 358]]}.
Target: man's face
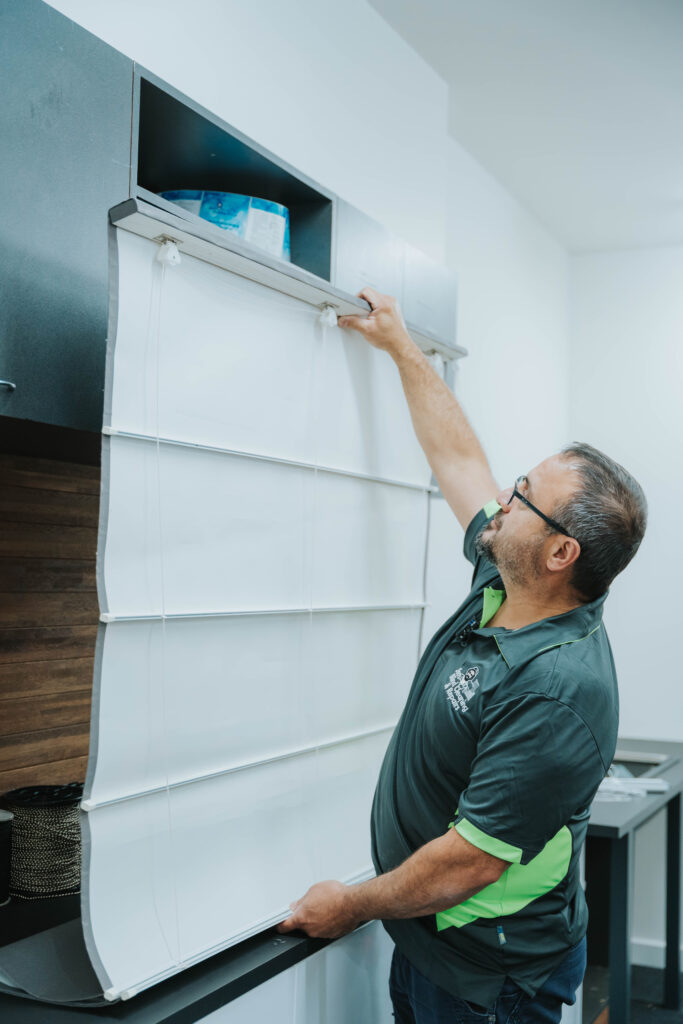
{"points": [[517, 540]]}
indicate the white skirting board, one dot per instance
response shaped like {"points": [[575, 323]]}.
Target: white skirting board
{"points": [[649, 952]]}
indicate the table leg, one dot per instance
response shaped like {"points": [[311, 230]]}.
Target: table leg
{"points": [[621, 862], [672, 973]]}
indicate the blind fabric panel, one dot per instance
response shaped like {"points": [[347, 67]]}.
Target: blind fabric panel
{"points": [[248, 368], [263, 532], [227, 852], [301, 536], [261, 686]]}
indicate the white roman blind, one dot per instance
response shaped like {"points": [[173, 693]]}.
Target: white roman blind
{"points": [[261, 563]]}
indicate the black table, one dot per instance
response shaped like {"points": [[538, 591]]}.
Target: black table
{"points": [[618, 822]]}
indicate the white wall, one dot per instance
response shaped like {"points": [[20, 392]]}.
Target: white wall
{"points": [[626, 377], [512, 284], [333, 90], [513, 318], [626, 381]]}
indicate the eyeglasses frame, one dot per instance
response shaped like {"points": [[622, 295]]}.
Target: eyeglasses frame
{"points": [[551, 522]]}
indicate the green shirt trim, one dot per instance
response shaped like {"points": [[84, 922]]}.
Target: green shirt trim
{"points": [[491, 508], [561, 643], [496, 847], [518, 886], [493, 599]]}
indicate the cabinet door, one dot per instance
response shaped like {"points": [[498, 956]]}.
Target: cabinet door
{"points": [[429, 297], [65, 123], [367, 254]]}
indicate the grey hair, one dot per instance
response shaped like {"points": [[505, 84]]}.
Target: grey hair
{"points": [[607, 516]]}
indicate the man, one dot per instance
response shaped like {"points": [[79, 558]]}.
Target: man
{"points": [[482, 802]]}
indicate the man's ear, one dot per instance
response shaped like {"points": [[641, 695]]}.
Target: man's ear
{"points": [[563, 553]]}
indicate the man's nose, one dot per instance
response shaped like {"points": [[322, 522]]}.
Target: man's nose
{"points": [[504, 498]]}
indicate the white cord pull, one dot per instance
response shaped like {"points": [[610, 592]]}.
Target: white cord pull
{"points": [[168, 253], [328, 317]]}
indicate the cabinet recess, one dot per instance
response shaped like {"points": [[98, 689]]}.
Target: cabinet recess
{"points": [[182, 146]]}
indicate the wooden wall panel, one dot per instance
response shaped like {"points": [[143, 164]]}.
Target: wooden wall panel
{"points": [[44, 575], [26, 749], [33, 609], [28, 645], [49, 474], [43, 540], [47, 712], [23, 679], [54, 773], [36, 505], [48, 618]]}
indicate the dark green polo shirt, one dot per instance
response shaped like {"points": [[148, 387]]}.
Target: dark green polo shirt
{"points": [[505, 736]]}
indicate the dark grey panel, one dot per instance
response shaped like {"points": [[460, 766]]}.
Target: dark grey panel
{"points": [[65, 124]]}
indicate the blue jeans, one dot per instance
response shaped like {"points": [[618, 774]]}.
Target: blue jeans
{"points": [[418, 1001]]}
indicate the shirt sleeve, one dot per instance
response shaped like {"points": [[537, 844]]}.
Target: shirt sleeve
{"points": [[480, 562], [536, 765]]}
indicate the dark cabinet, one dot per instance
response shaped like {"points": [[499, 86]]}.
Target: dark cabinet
{"points": [[65, 124]]}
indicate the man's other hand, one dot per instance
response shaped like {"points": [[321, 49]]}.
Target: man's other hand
{"points": [[323, 913], [384, 327]]}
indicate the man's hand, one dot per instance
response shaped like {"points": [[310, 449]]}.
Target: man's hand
{"points": [[384, 327], [439, 875], [323, 913]]}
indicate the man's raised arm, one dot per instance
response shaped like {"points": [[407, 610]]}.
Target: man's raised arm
{"points": [[451, 446]]}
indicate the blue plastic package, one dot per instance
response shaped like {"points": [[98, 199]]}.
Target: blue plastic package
{"points": [[258, 221]]}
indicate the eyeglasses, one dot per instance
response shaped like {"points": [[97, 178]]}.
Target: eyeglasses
{"points": [[520, 482]]}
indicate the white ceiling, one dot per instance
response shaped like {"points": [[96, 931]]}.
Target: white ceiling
{"points": [[575, 106]]}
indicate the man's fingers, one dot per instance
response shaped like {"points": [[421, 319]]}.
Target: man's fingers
{"points": [[291, 922], [371, 296], [358, 323]]}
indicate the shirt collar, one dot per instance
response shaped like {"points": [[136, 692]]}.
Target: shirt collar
{"points": [[519, 645]]}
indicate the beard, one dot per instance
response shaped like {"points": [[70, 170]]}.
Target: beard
{"points": [[518, 561]]}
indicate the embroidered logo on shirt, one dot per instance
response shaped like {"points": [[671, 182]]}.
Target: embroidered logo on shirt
{"points": [[462, 685]]}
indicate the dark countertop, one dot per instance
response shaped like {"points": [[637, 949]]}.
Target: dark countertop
{"points": [[187, 997], [21, 918]]}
